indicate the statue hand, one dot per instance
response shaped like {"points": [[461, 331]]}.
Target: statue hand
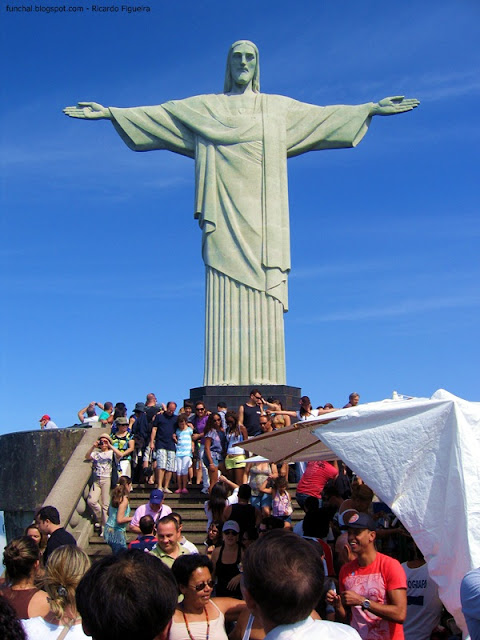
{"points": [[88, 111], [393, 105]]}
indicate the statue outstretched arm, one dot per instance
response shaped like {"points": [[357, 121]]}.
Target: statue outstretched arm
{"points": [[393, 105], [88, 111]]}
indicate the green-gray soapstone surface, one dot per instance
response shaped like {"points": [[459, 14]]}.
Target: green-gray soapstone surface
{"points": [[240, 140]]}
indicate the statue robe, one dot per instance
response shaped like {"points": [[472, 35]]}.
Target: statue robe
{"points": [[241, 202]]}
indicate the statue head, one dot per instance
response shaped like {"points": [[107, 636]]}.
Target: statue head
{"points": [[229, 81]]}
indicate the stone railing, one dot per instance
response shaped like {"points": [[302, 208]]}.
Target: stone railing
{"points": [[46, 467]]}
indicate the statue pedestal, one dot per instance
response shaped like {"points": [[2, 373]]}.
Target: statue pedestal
{"points": [[234, 396]]}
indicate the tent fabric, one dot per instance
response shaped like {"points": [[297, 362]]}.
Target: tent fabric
{"points": [[421, 457], [292, 444]]}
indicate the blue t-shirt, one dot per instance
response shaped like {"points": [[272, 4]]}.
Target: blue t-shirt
{"points": [[219, 440], [184, 444], [166, 426], [143, 543], [470, 597]]}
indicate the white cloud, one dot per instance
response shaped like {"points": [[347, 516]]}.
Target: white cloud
{"points": [[66, 286], [404, 308], [319, 271]]}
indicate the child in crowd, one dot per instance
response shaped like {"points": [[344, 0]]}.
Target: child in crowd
{"points": [[184, 450], [281, 501]]}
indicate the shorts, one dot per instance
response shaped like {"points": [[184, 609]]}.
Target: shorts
{"points": [[262, 500], [126, 467], [235, 461], [216, 457], [182, 465], [165, 460], [284, 518], [146, 454]]}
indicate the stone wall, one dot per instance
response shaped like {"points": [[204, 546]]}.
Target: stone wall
{"points": [[32, 462]]}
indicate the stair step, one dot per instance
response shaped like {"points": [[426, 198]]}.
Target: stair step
{"points": [[191, 508]]}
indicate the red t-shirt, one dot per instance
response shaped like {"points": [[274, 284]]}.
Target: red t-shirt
{"points": [[328, 557], [315, 477], [373, 581]]}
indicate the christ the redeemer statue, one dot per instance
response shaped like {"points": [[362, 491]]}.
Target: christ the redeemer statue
{"points": [[240, 140]]}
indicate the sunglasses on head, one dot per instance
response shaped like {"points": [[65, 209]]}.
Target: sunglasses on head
{"points": [[201, 585]]}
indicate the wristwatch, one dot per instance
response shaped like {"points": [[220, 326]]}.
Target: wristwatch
{"points": [[366, 605]]}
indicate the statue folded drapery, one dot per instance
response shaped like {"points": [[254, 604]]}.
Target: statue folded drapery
{"points": [[241, 202], [240, 141]]}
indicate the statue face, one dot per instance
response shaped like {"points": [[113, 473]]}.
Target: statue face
{"points": [[243, 63]]}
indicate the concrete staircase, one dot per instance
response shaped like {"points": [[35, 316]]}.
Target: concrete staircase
{"points": [[191, 508]]}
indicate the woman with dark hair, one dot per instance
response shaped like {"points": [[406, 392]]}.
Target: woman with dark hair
{"points": [[65, 568], [305, 411], [235, 458], [118, 516], [119, 411], [215, 505], [214, 538], [199, 616], [279, 420], [33, 531], [215, 447], [21, 558], [10, 626]]}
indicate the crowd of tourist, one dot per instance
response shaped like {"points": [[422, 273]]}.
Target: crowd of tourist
{"points": [[154, 443], [334, 574]]}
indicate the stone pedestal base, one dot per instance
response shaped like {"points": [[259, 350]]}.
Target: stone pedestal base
{"points": [[234, 396]]}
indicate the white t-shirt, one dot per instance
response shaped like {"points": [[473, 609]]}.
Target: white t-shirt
{"points": [[38, 629], [93, 421], [102, 463], [308, 416], [424, 607], [189, 546], [50, 425], [310, 629]]}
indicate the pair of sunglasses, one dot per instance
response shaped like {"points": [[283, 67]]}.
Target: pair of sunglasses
{"points": [[231, 532], [201, 585]]}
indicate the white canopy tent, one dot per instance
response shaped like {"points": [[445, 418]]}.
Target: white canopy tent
{"points": [[421, 457]]}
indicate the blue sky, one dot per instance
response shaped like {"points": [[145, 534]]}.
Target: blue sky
{"points": [[102, 283]]}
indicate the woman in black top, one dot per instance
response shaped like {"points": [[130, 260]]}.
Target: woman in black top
{"points": [[227, 562]]}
